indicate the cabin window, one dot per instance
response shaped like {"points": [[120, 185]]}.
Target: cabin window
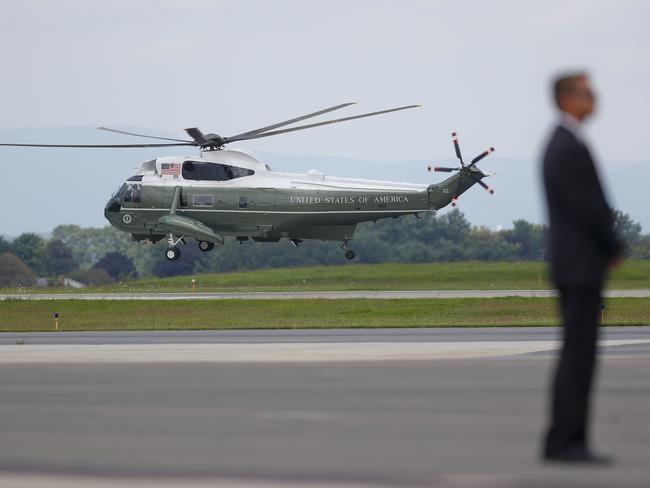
{"points": [[132, 193], [243, 202], [201, 171], [203, 200]]}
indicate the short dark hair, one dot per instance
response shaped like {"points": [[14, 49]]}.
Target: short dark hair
{"points": [[566, 84]]}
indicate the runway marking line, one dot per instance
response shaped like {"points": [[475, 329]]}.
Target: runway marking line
{"points": [[81, 481], [276, 352], [327, 295]]}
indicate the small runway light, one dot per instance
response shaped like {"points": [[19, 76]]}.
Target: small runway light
{"points": [[193, 285], [56, 320], [602, 314]]}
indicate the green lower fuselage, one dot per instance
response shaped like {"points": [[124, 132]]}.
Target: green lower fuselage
{"points": [[269, 214]]}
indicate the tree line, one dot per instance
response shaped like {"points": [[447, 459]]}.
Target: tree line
{"points": [[104, 255]]}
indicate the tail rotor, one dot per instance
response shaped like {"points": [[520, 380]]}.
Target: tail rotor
{"points": [[454, 139], [465, 171]]}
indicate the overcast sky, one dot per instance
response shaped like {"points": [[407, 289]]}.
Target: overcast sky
{"points": [[479, 67]]}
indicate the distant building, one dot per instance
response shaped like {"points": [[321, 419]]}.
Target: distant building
{"points": [[41, 283], [69, 282]]}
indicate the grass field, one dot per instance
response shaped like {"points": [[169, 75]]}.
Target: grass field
{"points": [[18, 315], [85, 315], [424, 276]]}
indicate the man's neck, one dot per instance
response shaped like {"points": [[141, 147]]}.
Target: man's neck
{"points": [[571, 119], [573, 124]]}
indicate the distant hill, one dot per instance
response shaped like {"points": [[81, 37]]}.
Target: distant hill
{"points": [[47, 187]]}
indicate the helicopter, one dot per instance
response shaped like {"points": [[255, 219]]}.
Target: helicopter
{"points": [[229, 193]]}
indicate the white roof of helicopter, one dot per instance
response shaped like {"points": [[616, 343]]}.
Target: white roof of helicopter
{"points": [[264, 177], [231, 157]]}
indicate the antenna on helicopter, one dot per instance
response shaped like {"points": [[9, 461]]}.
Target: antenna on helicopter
{"points": [[213, 142], [470, 171]]}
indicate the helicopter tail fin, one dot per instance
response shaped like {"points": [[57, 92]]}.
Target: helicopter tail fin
{"points": [[447, 191]]}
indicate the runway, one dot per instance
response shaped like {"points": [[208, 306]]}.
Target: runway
{"points": [[459, 418], [323, 295], [290, 346]]}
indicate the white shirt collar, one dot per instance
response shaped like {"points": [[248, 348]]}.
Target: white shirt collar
{"points": [[573, 125]]}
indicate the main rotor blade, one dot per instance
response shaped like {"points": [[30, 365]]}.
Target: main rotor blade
{"points": [[318, 124], [117, 131], [290, 121], [197, 135], [445, 170], [99, 145]]}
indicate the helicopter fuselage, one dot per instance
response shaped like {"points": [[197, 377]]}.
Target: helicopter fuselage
{"points": [[230, 193]]}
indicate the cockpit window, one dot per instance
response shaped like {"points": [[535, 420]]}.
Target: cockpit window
{"points": [[135, 178], [195, 170], [119, 192]]}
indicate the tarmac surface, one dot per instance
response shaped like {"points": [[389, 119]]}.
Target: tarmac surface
{"points": [[471, 415], [326, 295]]}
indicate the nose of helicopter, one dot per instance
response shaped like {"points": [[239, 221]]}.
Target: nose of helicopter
{"points": [[113, 206], [112, 210]]}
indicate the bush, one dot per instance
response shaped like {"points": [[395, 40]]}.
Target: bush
{"points": [[92, 276], [117, 265], [13, 272]]}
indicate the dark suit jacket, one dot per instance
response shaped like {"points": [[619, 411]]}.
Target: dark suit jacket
{"points": [[582, 239]]}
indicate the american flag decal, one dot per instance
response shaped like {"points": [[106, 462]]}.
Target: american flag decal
{"points": [[170, 169]]}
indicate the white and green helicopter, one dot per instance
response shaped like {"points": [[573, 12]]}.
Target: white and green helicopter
{"points": [[221, 193]]}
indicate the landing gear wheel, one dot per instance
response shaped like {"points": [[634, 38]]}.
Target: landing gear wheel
{"points": [[206, 246], [350, 254], [173, 253]]}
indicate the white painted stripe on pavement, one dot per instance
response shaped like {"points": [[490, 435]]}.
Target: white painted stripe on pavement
{"points": [[275, 352], [72, 481], [327, 295]]}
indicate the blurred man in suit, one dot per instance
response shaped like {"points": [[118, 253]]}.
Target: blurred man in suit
{"points": [[583, 246]]}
